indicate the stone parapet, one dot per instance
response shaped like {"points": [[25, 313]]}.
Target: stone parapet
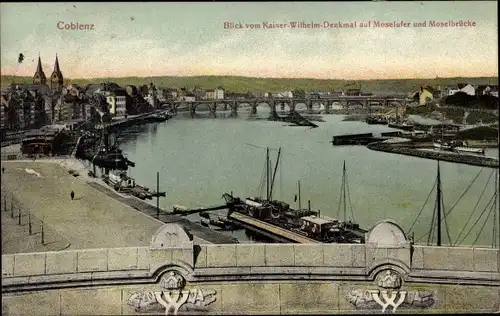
{"points": [[172, 247], [253, 278]]}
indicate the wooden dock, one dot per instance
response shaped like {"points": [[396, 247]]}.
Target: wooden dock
{"points": [[271, 231]]}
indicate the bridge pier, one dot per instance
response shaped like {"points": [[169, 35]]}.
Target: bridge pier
{"points": [[253, 107], [213, 109], [309, 105], [327, 106], [272, 104], [293, 104], [192, 109], [234, 109]]}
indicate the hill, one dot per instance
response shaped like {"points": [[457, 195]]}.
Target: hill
{"points": [[245, 84]]}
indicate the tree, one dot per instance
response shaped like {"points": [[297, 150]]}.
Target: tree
{"points": [[299, 93]]}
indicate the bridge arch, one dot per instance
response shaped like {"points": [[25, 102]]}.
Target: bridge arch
{"points": [[301, 106], [282, 105], [264, 102], [169, 105], [319, 105], [205, 106], [253, 105]]}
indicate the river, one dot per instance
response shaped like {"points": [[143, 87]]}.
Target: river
{"points": [[199, 159]]}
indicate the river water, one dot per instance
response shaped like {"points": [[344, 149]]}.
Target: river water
{"points": [[200, 159]]}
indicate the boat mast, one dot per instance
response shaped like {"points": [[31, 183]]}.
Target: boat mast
{"points": [[274, 174], [496, 229], [344, 192], [438, 205], [267, 173], [497, 178], [300, 204]]}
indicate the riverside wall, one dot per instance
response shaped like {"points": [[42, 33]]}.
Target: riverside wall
{"points": [[410, 150], [177, 275]]}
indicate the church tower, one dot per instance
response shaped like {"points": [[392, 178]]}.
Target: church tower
{"points": [[39, 77], [56, 79]]}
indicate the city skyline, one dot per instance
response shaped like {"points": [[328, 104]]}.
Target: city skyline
{"points": [[163, 39]]}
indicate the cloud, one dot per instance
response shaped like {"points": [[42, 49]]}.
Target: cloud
{"points": [[137, 50]]}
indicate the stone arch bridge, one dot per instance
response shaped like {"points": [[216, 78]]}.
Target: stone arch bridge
{"points": [[174, 276], [274, 103]]}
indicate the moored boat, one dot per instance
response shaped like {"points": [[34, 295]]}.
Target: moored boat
{"points": [[110, 159], [304, 222], [371, 120], [438, 145], [379, 120], [403, 126], [462, 146], [480, 151]]}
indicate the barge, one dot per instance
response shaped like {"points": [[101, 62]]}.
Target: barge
{"points": [[300, 222], [278, 221], [314, 227], [459, 146], [119, 180], [402, 126], [376, 120], [356, 139]]}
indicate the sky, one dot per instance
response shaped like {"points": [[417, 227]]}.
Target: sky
{"points": [[189, 39]]}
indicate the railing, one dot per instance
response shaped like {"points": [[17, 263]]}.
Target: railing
{"points": [[10, 142], [23, 231], [11, 155]]}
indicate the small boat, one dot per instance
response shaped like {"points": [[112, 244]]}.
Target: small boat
{"points": [[163, 116], [462, 146], [404, 126], [438, 145], [480, 151], [119, 180], [371, 120], [381, 121], [376, 120]]}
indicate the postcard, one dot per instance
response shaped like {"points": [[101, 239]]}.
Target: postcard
{"points": [[249, 157]]}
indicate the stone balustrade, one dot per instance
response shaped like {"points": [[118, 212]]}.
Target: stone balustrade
{"points": [[173, 258]]}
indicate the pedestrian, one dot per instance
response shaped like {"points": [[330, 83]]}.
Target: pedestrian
{"points": [[3, 169], [72, 194]]}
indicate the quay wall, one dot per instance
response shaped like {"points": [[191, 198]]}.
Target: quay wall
{"points": [[443, 156], [252, 278]]}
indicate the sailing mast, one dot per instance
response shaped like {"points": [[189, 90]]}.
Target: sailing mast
{"points": [[497, 202], [344, 191], [274, 174], [496, 229], [438, 205], [267, 173], [343, 195], [300, 203]]}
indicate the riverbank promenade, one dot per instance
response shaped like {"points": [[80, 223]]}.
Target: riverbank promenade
{"points": [[42, 189]]}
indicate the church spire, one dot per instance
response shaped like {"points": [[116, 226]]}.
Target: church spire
{"points": [[56, 66], [39, 66], [39, 77], [56, 79]]}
